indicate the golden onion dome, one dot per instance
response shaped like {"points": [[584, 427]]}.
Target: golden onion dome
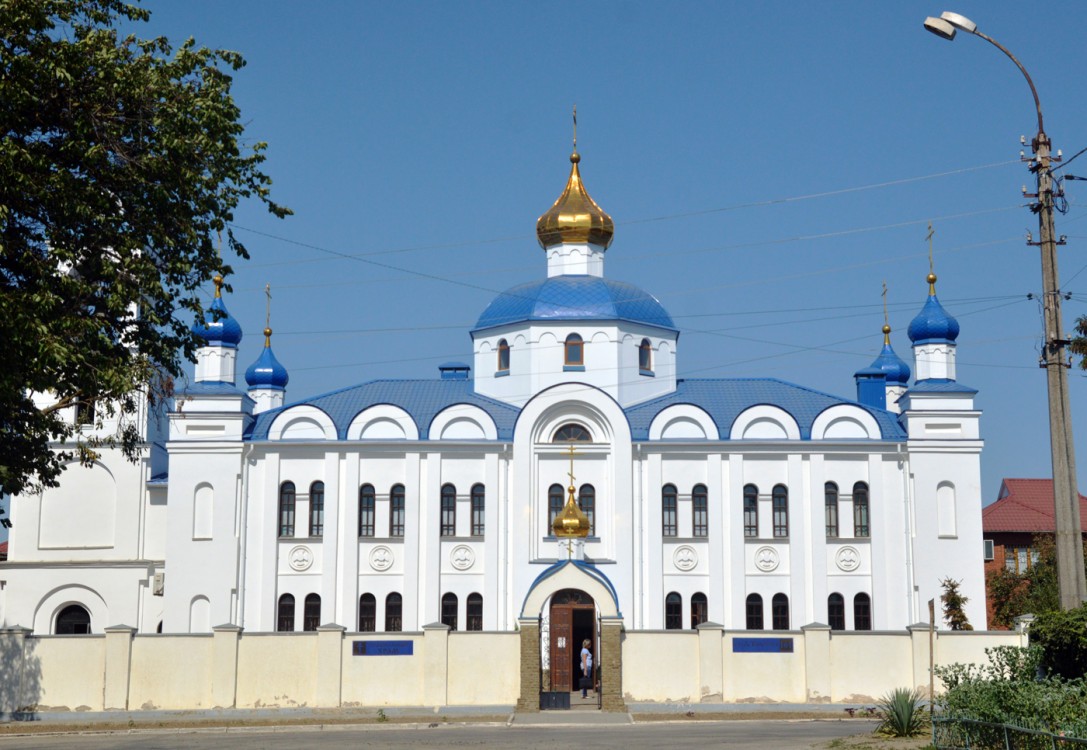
{"points": [[571, 522], [575, 217]]}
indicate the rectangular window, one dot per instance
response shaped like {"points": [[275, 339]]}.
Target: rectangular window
{"points": [[831, 504], [668, 510], [781, 511], [479, 507], [860, 510], [700, 507], [366, 510], [1020, 559], [751, 512], [449, 510], [286, 509], [317, 509], [396, 511]]}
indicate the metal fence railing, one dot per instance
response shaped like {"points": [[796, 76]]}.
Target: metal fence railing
{"points": [[953, 734]]}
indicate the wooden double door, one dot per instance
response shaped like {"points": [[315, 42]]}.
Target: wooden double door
{"points": [[572, 621]]}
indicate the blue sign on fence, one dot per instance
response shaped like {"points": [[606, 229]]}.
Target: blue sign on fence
{"points": [[382, 648], [762, 645]]}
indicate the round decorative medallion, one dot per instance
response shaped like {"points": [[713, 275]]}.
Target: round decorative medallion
{"points": [[685, 557], [462, 557], [381, 558], [300, 558], [766, 559], [848, 559]]}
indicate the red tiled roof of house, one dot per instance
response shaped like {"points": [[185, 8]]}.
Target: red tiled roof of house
{"points": [[3, 550], [1026, 505]]}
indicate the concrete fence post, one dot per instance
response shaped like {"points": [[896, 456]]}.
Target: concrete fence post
{"points": [[13, 658], [919, 648], [611, 664], [118, 667], [711, 667], [817, 669], [330, 665], [529, 699], [224, 665], [435, 664]]}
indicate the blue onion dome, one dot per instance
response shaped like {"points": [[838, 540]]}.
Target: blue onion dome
{"points": [[222, 330], [267, 372], [933, 324], [890, 364]]}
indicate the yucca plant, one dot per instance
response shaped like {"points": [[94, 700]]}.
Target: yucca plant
{"points": [[902, 713]]}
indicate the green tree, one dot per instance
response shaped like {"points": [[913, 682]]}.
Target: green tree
{"points": [[120, 163], [1079, 341], [1033, 591], [1062, 636], [954, 605]]}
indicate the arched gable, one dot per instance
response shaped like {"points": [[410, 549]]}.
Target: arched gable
{"points": [[683, 422], [303, 422], [383, 422], [845, 422], [462, 422], [572, 574], [764, 422]]}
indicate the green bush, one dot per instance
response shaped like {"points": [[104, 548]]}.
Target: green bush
{"points": [[902, 713], [1062, 637]]}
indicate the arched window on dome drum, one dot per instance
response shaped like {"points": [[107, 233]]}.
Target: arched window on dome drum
{"points": [[700, 526], [317, 509], [449, 610], [367, 613], [751, 511], [555, 502], [860, 510], [474, 612], [586, 500], [836, 611], [862, 612], [780, 611], [449, 510], [396, 510], [645, 356], [699, 610], [73, 620], [673, 612], [754, 612], [574, 350], [781, 511], [572, 433], [311, 615], [394, 608], [367, 500], [286, 509], [503, 356], [479, 508], [668, 510], [285, 614], [830, 493]]}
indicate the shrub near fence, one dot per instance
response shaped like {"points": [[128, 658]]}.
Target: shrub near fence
{"points": [[953, 734]]}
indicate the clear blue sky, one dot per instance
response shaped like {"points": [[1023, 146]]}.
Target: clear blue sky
{"points": [[426, 137]]}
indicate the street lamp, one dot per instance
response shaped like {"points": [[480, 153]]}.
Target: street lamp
{"points": [[1069, 542]]}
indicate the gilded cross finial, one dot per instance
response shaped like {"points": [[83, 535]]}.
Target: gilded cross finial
{"points": [[570, 473], [575, 128], [268, 315], [886, 323], [931, 272]]}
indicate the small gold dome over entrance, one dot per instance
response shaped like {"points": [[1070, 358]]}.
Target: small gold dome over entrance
{"points": [[575, 217], [571, 523]]}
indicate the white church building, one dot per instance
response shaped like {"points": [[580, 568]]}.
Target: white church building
{"points": [[753, 503]]}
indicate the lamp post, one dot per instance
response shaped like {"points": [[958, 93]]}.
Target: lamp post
{"points": [[1069, 542]]}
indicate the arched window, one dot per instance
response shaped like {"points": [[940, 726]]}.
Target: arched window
{"points": [[449, 510], [286, 509], [73, 620], [572, 433], [285, 614], [396, 510], [449, 610], [862, 612], [475, 612], [699, 610], [586, 500], [394, 608], [836, 611], [754, 612], [311, 615], [554, 505], [673, 611], [479, 507], [317, 509], [700, 525], [781, 511], [780, 609], [574, 351], [645, 356], [367, 498], [751, 515], [503, 356], [860, 510], [367, 613], [668, 510], [830, 493]]}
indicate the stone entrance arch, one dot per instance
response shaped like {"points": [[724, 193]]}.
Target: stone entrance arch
{"points": [[574, 585]]}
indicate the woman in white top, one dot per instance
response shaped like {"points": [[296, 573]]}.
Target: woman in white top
{"points": [[586, 667]]}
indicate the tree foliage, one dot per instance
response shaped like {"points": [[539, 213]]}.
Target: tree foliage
{"points": [[954, 605], [120, 162], [1033, 591], [1062, 637]]}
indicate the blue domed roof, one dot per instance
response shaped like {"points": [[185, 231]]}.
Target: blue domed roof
{"points": [[575, 297], [267, 372], [933, 324], [222, 330], [897, 371]]}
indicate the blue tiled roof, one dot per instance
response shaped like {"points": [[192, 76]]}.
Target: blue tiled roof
{"points": [[575, 297], [938, 385], [422, 399], [724, 400]]}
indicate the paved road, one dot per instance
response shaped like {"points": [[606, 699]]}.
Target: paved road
{"points": [[752, 735]]}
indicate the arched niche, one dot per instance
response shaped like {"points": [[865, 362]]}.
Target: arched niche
{"points": [[765, 422], [845, 422], [302, 422], [383, 422], [683, 422], [463, 422]]}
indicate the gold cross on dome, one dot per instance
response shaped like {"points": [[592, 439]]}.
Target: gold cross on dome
{"points": [[571, 472]]}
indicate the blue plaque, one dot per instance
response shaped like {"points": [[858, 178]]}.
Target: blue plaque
{"points": [[762, 645], [382, 648]]}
